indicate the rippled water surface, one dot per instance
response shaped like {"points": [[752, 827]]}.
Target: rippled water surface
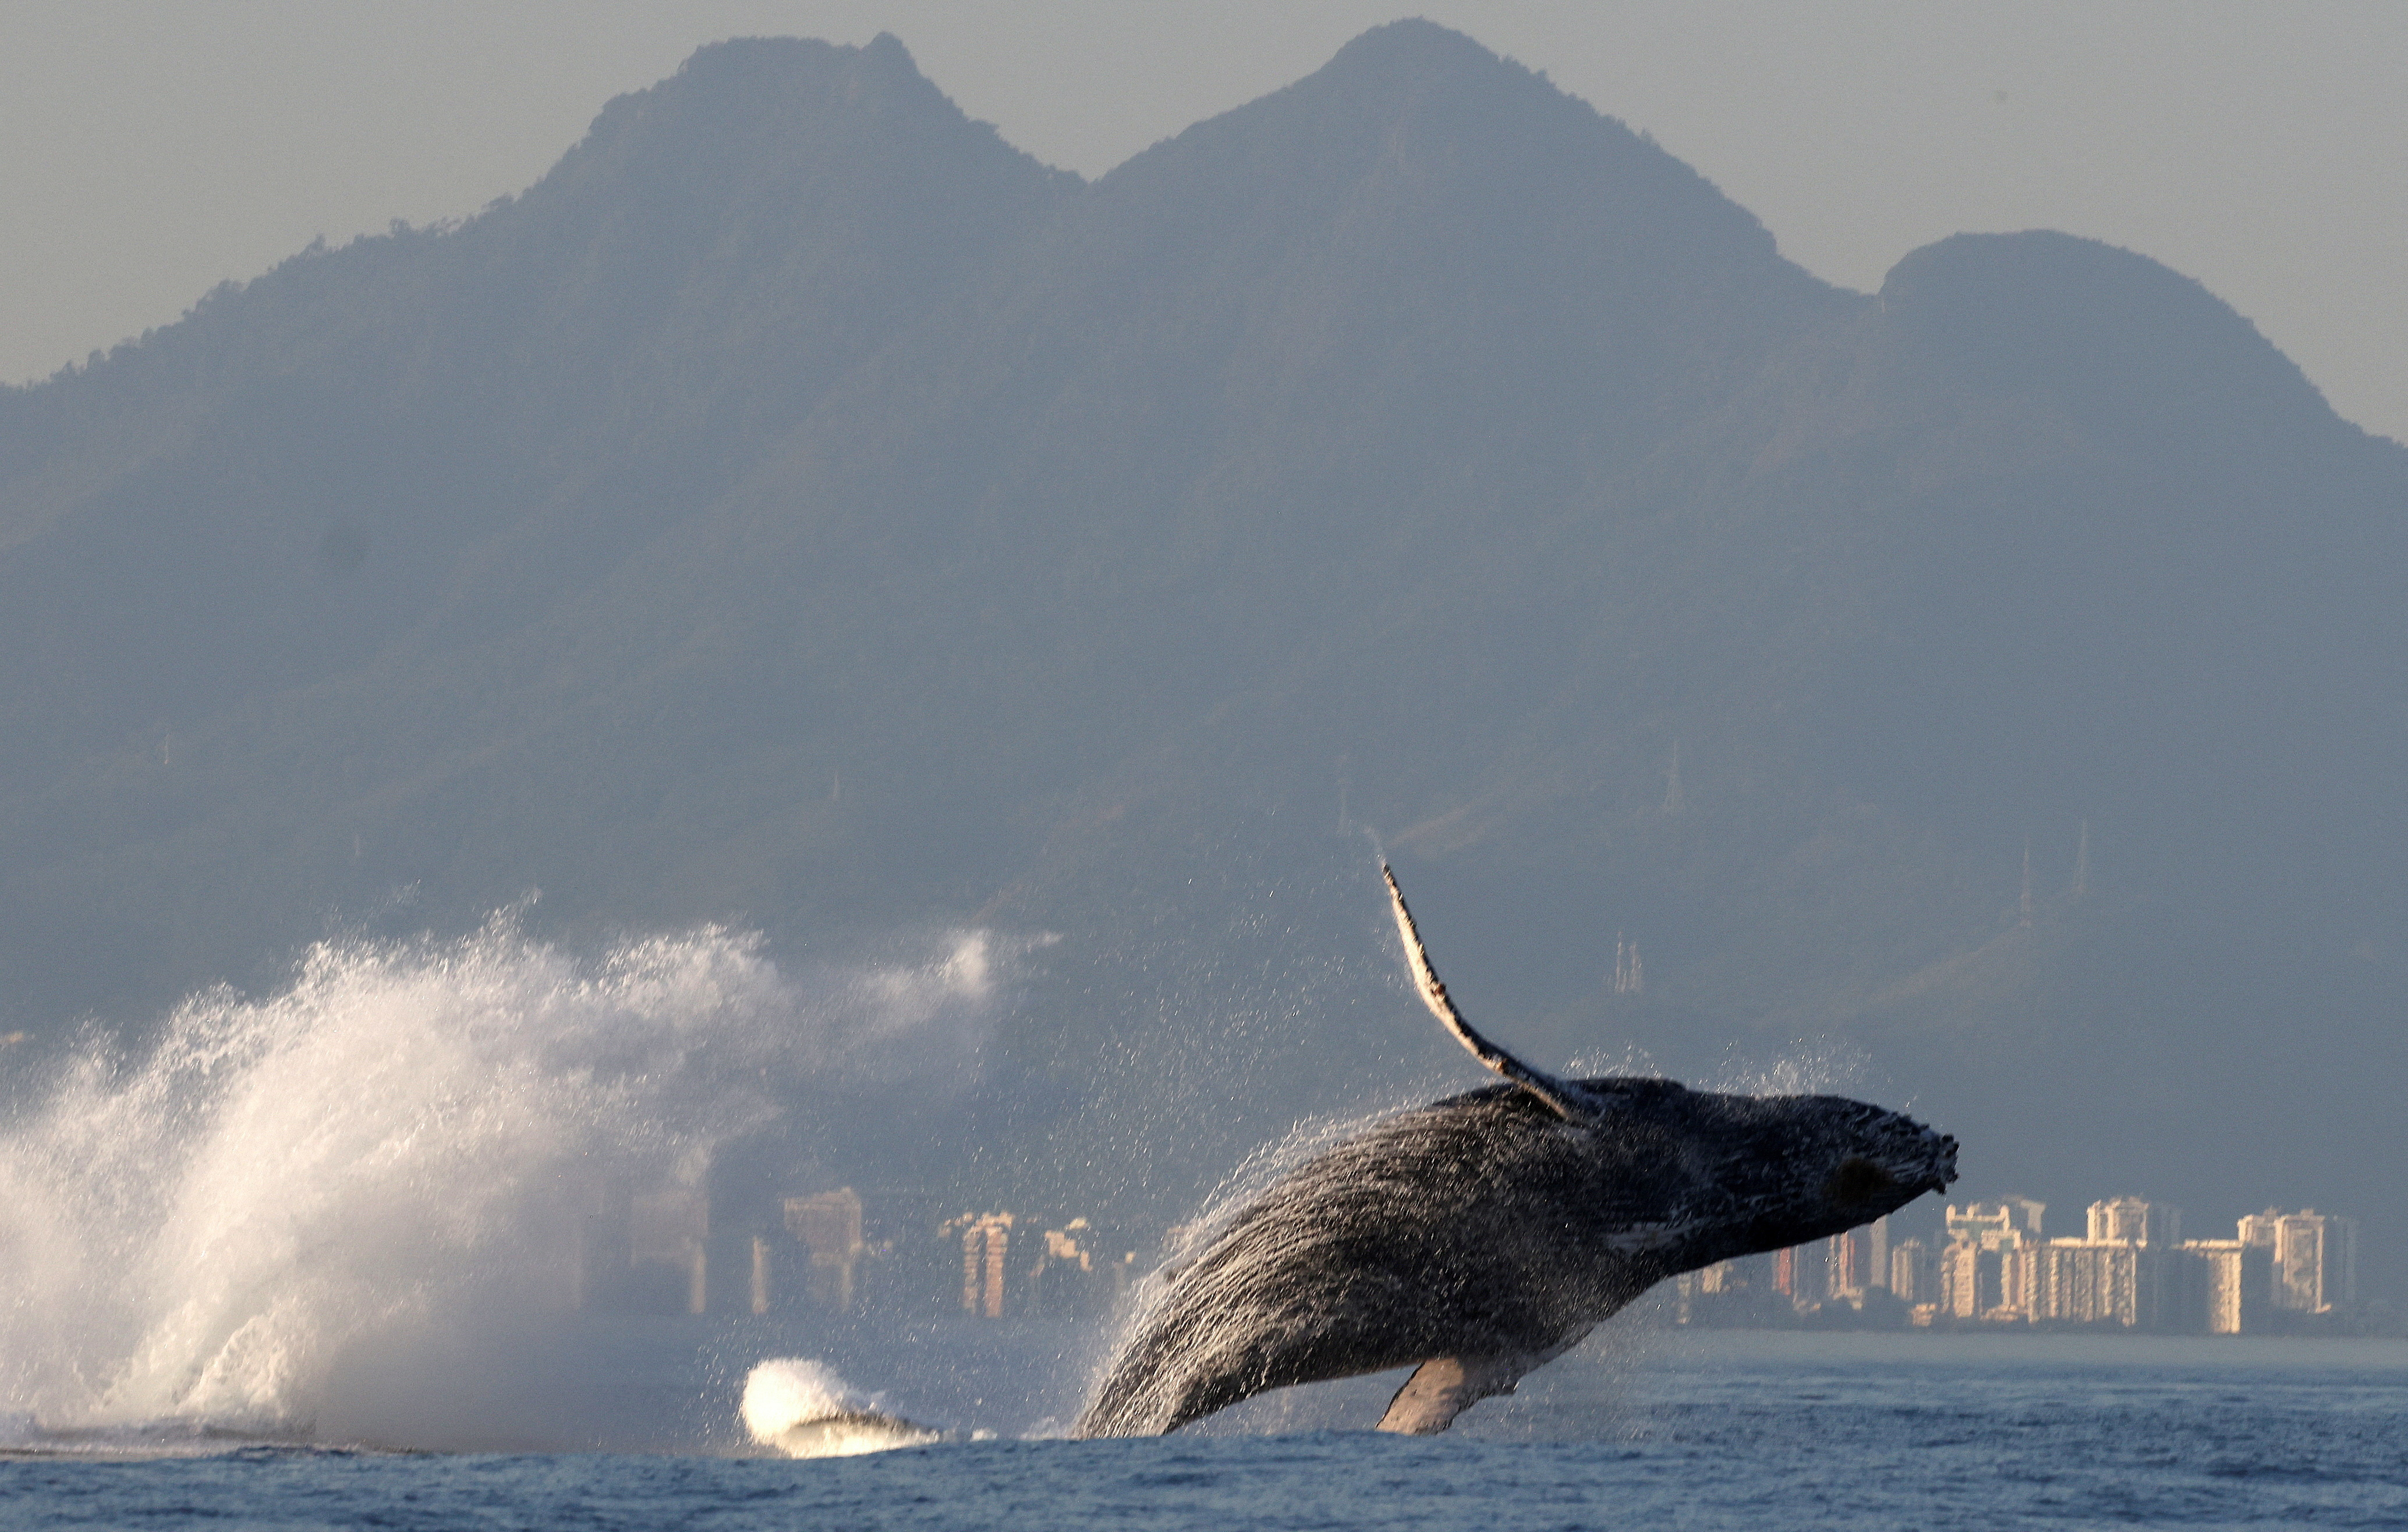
{"points": [[1711, 1430]]}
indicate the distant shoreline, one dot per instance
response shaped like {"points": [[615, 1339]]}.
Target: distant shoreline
{"points": [[2375, 1353]]}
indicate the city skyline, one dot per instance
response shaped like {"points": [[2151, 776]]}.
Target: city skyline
{"points": [[1995, 1265], [842, 1251]]}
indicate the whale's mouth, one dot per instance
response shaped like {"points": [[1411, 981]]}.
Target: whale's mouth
{"points": [[1857, 1181], [1927, 1166], [1945, 1171], [1939, 1168]]}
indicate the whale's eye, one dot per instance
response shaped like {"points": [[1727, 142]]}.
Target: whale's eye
{"points": [[1858, 1181]]}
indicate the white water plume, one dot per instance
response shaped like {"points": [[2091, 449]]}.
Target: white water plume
{"points": [[804, 1410], [198, 1233]]}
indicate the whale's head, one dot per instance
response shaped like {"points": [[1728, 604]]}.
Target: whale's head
{"points": [[1681, 1179], [1750, 1173]]}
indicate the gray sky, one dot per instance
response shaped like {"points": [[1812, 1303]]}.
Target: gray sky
{"points": [[149, 150]]}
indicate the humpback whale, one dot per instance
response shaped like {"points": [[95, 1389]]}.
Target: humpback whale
{"points": [[1480, 1236]]}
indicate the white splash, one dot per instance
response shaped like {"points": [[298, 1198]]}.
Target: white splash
{"points": [[1817, 1067], [198, 1234], [804, 1410]]}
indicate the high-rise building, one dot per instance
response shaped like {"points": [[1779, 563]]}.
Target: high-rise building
{"points": [[2312, 1258], [2221, 1287], [1961, 1279], [2128, 1220], [1993, 1221], [1858, 1261], [2097, 1282], [911, 1261], [1803, 1273], [1977, 1220], [2018, 1290], [1733, 1293], [1990, 1268], [2115, 1276], [1077, 1274], [987, 1247], [1914, 1274], [827, 1224], [1847, 1264]]}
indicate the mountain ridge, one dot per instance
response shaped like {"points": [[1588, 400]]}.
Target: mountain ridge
{"points": [[803, 509]]}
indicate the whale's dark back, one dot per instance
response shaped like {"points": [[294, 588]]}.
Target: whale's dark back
{"points": [[1488, 1224]]}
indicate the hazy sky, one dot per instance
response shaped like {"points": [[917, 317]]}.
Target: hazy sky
{"points": [[149, 151]]}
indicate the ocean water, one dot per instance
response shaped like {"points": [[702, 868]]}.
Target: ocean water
{"points": [[1654, 1430]]}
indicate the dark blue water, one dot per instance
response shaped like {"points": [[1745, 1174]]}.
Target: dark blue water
{"points": [[1711, 1430]]}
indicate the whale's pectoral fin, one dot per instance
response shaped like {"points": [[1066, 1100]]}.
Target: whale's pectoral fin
{"points": [[1562, 1096], [1444, 1388]]}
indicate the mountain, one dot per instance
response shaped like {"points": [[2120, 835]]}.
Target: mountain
{"points": [[804, 510]]}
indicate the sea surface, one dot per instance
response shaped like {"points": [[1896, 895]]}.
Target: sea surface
{"points": [[1667, 1429]]}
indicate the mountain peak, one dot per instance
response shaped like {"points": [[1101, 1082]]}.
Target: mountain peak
{"points": [[1419, 47], [2115, 334], [883, 61], [773, 89], [781, 139], [1403, 67], [1420, 98]]}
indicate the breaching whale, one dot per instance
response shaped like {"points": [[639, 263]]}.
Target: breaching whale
{"points": [[1478, 1237]]}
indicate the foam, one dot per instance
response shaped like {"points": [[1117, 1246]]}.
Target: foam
{"points": [[398, 1147], [804, 1410]]}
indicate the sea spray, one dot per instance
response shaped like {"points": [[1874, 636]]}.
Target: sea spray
{"points": [[195, 1234], [1808, 1067], [1222, 1205], [804, 1410]]}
